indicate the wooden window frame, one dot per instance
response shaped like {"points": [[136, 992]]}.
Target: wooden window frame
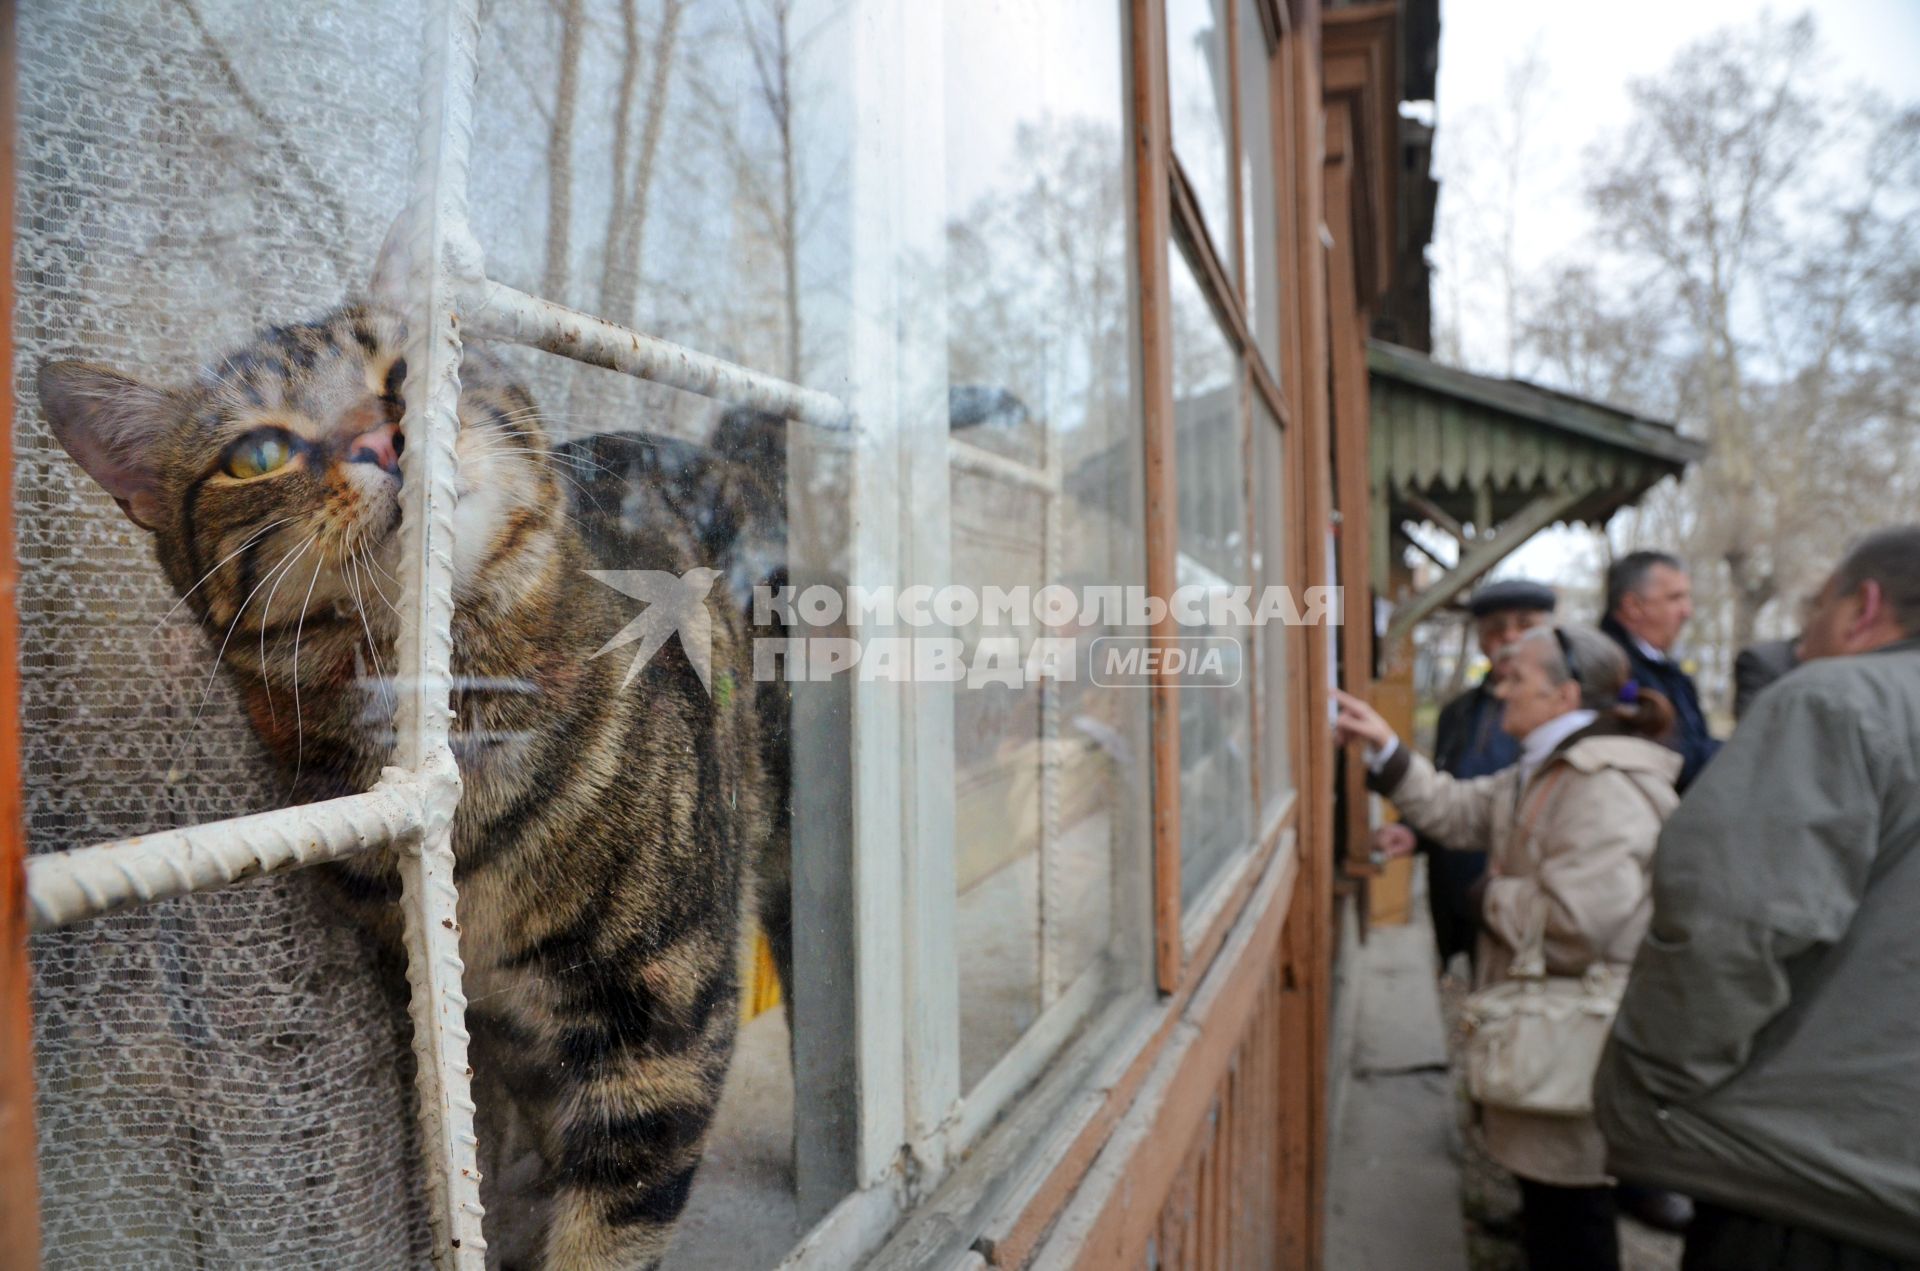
{"points": [[1283, 891], [1056, 1183], [1188, 936]]}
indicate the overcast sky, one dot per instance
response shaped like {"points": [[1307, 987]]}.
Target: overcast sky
{"points": [[1587, 55]]}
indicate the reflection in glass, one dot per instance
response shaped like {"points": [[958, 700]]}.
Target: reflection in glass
{"points": [[670, 165], [1044, 489], [1216, 793], [1270, 546], [1260, 228], [1198, 90]]}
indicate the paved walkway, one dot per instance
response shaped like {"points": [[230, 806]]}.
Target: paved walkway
{"points": [[1394, 1190]]}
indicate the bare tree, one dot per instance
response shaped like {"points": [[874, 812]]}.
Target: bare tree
{"points": [[1762, 264], [1588, 339], [780, 177], [766, 28], [1477, 238], [560, 152], [633, 173], [771, 44], [1511, 136]]}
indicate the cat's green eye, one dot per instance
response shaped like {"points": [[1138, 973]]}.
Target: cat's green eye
{"points": [[260, 455]]}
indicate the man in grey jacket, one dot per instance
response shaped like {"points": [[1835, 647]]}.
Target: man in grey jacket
{"points": [[1766, 1058]]}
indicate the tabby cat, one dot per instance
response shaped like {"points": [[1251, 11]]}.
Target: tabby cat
{"points": [[606, 834]]}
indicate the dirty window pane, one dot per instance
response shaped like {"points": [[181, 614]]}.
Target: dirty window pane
{"points": [[681, 168], [1201, 102], [1216, 794], [1045, 490]]}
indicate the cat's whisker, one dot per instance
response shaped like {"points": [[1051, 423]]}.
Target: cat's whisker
{"points": [[365, 556], [548, 421], [250, 540], [206, 692], [551, 469], [366, 560], [299, 728], [496, 447], [360, 607], [266, 618], [495, 452], [549, 418]]}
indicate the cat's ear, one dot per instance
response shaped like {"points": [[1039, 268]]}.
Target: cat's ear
{"points": [[111, 425], [394, 266]]}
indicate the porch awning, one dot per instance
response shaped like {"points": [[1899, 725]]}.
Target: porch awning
{"points": [[1493, 462]]}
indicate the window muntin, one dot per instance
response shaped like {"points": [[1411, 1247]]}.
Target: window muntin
{"points": [[1216, 740], [1200, 98]]}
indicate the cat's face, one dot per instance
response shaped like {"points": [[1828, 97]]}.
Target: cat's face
{"points": [[272, 485]]}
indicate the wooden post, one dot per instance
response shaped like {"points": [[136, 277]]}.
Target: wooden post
{"points": [[1151, 145], [19, 1201], [1306, 940]]}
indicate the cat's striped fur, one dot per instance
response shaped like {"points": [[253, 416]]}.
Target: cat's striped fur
{"points": [[604, 836]]}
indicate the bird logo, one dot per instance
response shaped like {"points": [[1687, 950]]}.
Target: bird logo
{"points": [[676, 603]]}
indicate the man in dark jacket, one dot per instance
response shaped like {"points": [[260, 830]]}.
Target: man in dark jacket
{"points": [[1758, 666], [1649, 600], [1468, 742], [1766, 1057]]}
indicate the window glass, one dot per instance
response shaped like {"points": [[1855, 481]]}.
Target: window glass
{"points": [[680, 168], [1201, 101], [1216, 707], [1045, 489], [1270, 544], [1259, 185]]}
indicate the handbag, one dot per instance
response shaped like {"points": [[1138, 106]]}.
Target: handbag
{"points": [[1533, 1041]]}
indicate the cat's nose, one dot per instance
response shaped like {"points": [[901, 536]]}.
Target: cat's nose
{"points": [[380, 446]]}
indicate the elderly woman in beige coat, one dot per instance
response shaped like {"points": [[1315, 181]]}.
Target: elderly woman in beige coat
{"points": [[1569, 832]]}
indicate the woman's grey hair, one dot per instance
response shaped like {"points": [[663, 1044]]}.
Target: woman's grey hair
{"points": [[1571, 653], [1597, 662]]}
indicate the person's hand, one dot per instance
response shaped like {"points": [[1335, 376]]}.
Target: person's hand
{"points": [[1396, 838], [1359, 722]]}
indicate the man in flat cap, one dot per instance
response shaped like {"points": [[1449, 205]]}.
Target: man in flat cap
{"points": [[1468, 742]]}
